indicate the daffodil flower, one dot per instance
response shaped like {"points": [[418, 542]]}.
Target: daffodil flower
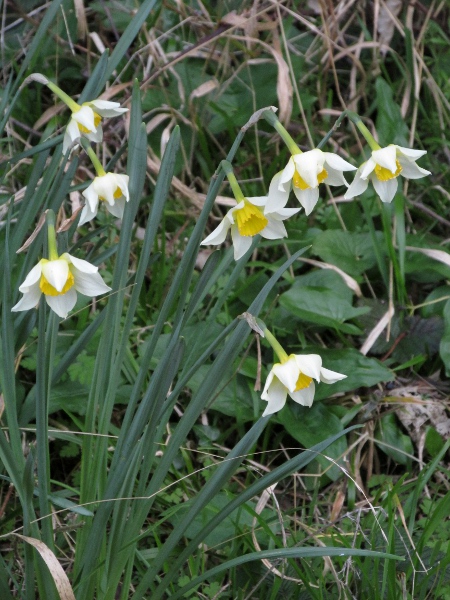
{"points": [[305, 171], [251, 217], [295, 376], [383, 169], [110, 188], [60, 280], [86, 121]]}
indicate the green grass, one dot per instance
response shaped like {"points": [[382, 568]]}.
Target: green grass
{"points": [[136, 421]]}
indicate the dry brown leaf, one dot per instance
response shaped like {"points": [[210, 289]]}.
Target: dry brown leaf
{"points": [[203, 89], [33, 236], [80, 13], [377, 330], [284, 85], [439, 255], [349, 281], [60, 578], [65, 225]]}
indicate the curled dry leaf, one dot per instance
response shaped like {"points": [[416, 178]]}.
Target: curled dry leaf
{"points": [[33, 236], [60, 578], [377, 330], [349, 281], [439, 255], [203, 89]]}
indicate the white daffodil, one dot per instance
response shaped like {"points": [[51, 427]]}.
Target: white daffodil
{"points": [[110, 188], [60, 280], [305, 171], [86, 120], [383, 168], [295, 376], [252, 216]]}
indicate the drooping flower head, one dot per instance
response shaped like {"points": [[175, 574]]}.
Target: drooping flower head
{"points": [[59, 278], [86, 117], [112, 190], [305, 171], [251, 216], [383, 168], [295, 375]]}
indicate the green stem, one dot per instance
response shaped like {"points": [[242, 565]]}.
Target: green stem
{"points": [[74, 107], [52, 245], [277, 348], [226, 166], [332, 130], [356, 119], [94, 158], [271, 118]]}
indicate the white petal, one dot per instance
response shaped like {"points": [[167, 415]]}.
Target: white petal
{"points": [[411, 153], [95, 136], [309, 165], [118, 208], [274, 230], [78, 263], [87, 214], [106, 108], [288, 373], [284, 213], [105, 186], [328, 376], [307, 198], [275, 394], [62, 304], [305, 397], [337, 163], [366, 168], [85, 116], [56, 273], [277, 198], [385, 189], [335, 177], [89, 284], [286, 176], [33, 276], [219, 234], [71, 135], [410, 170], [309, 364], [241, 243], [91, 197], [386, 157], [259, 201], [122, 182], [29, 299], [357, 187]]}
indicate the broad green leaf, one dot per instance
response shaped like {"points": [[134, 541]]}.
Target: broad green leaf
{"points": [[310, 426], [444, 348], [323, 307], [391, 126], [351, 252], [394, 443]]}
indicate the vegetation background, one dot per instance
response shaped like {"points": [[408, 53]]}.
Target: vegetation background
{"points": [[370, 293]]}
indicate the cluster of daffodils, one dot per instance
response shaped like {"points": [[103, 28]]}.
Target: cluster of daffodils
{"points": [[303, 174], [60, 277]]}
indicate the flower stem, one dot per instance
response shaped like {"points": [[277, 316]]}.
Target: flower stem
{"points": [[51, 233], [94, 158], [356, 119], [277, 348], [74, 107], [271, 118], [226, 166]]}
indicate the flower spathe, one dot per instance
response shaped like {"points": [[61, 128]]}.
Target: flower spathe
{"points": [[110, 188], [307, 170], [295, 376], [86, 121], [60, 280], [383, 169], [263, 215]]}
